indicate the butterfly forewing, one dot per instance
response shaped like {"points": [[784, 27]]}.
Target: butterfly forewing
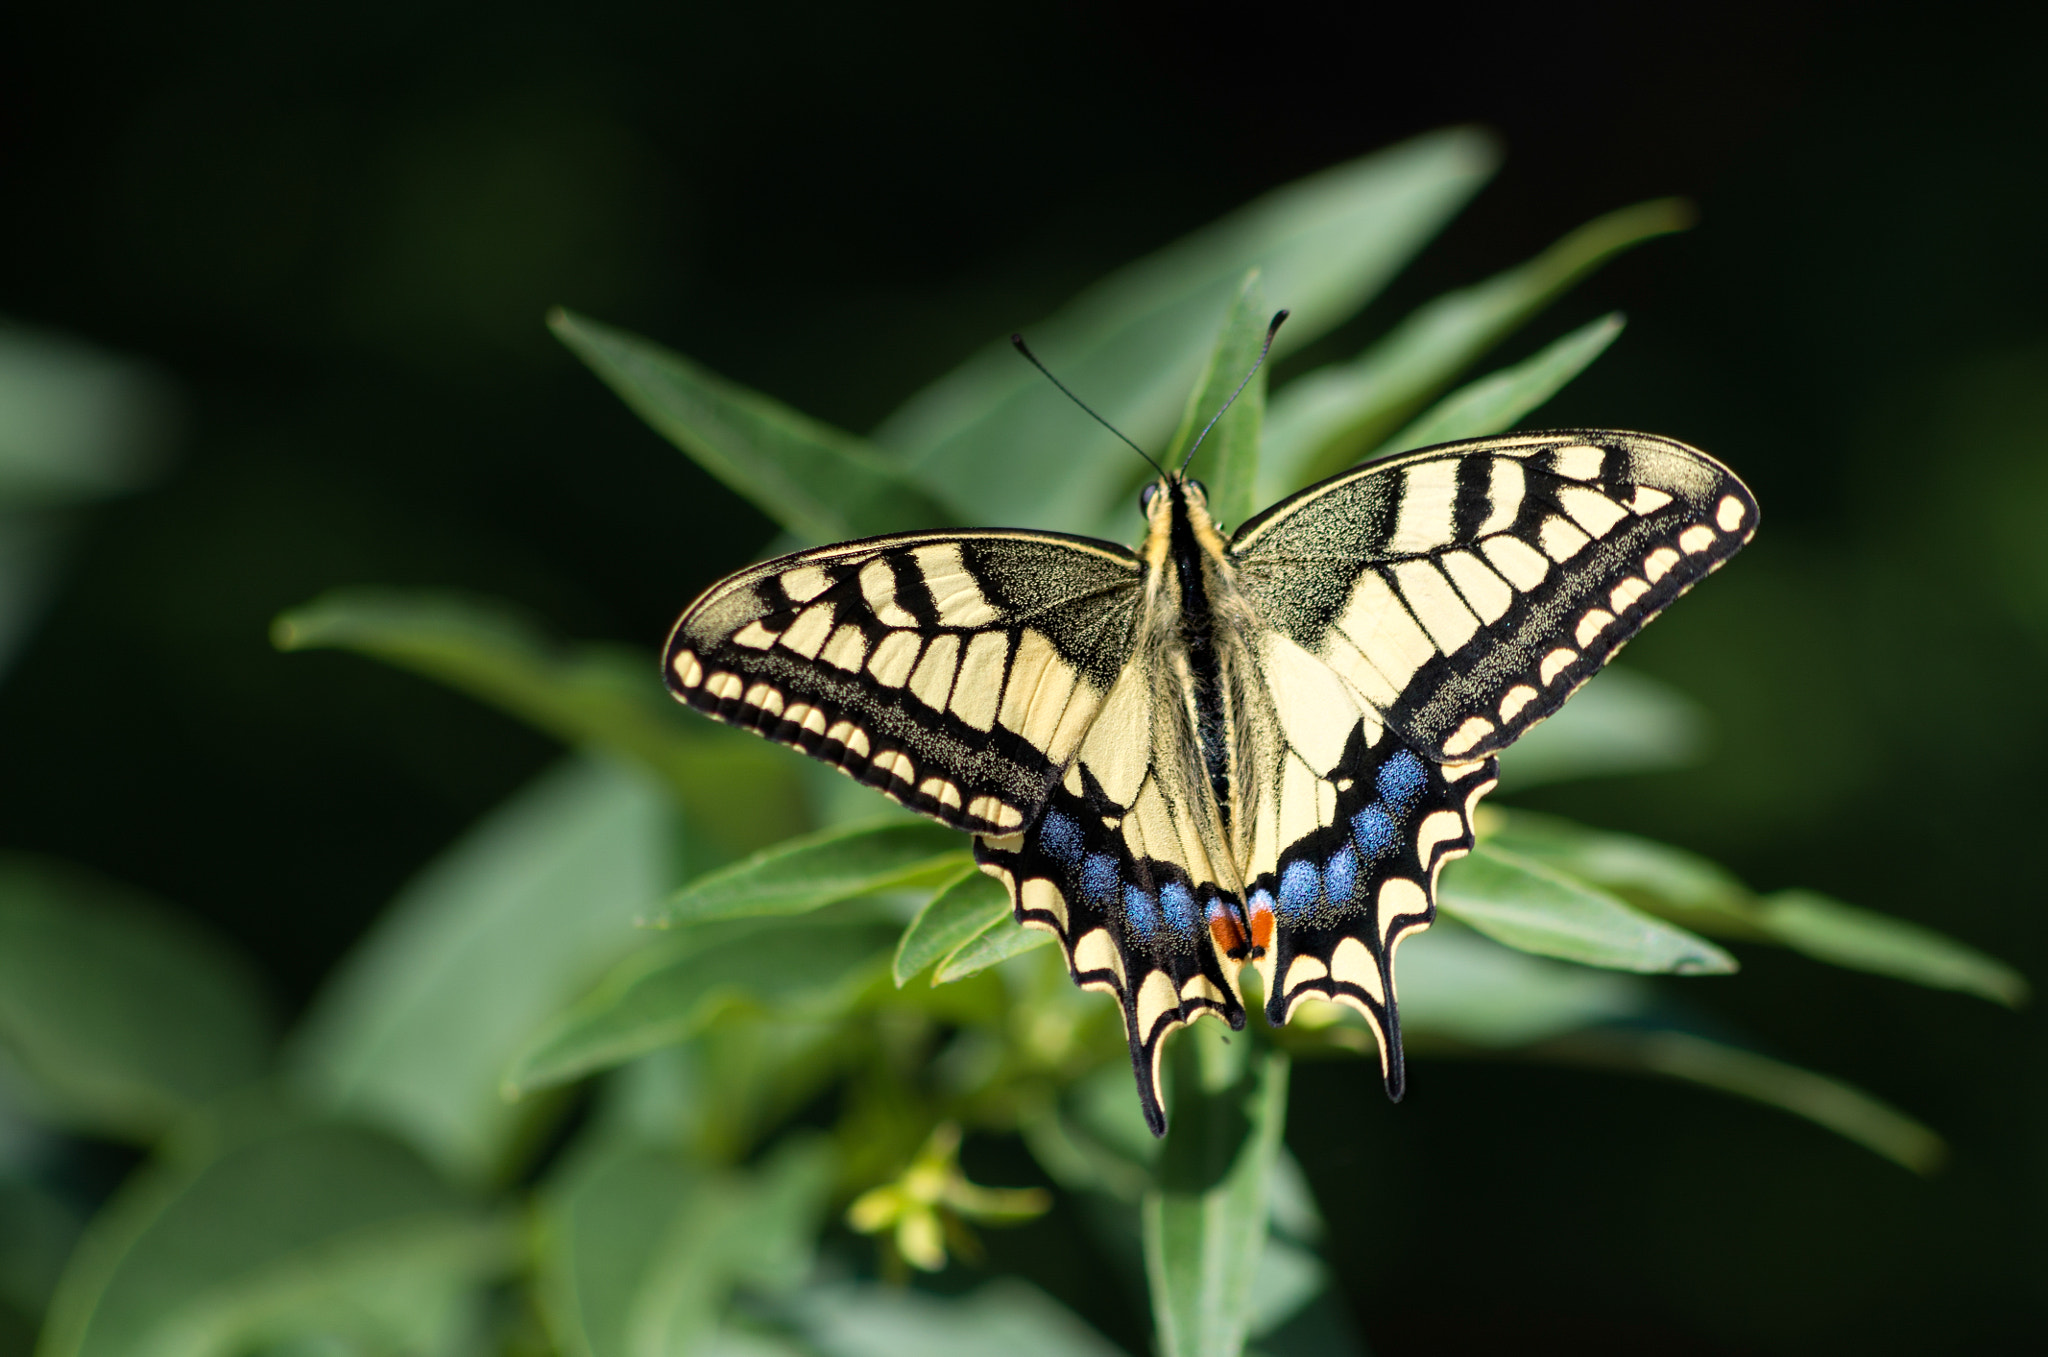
{"points": [[1466, 590], [954, 672]]}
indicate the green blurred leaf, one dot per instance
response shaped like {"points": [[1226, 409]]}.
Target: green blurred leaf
{"points": [[1461, 987], [1697, 893], [1622, 721], [740, 790], [476, 953], [1206, 1217], [996, 439], [1828, 930], [1287, 1278], [1842, 1108], [76, 422], [285, 1229], [817, 481], [801, 875], [1326, 420], [640, 1249], [117, 1017], [671, 988], [963, 907], [1004, 1318], [1497, 401], [994, 943], [1230, 467], [1532, 907]]}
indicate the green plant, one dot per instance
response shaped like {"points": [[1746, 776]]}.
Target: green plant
{"points": [[826, 994]]}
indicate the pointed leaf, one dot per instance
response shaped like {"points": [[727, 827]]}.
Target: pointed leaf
{"points": [[1622, 721], [671, 988], [816, 481], [993, 436], [1326, 420], [820, 869], [1457, 985], [1005, 1318], [117, 1016], [1828, 930], [1001, 938], [476, 953], [294, 1229], [1205, 1220], [740, 790], [1229, 460], [1497, 401], [1840, 1107], [963, 907]]}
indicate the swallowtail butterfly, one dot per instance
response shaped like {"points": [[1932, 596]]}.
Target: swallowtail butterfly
{"points": [[1212, 750]]}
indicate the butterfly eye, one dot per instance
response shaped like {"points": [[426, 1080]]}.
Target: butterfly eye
{"points": [[1200, 488], [1145, 496]]}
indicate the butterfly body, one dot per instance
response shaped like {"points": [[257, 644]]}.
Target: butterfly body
{"points": [[1210, 753]]}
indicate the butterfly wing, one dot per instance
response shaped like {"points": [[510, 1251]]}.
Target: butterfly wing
{"points": [[1415, 616], [954, 672], [1467, 590]]}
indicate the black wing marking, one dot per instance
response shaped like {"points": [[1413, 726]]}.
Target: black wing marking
{"points": [[1139, 927], [954, 672], [1467, 590]]}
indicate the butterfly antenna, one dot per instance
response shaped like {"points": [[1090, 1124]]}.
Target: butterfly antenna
{"points": [[1018, 342], [1257, 363]]}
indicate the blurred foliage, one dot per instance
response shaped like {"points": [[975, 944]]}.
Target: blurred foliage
{"points": [[611, 1071]]}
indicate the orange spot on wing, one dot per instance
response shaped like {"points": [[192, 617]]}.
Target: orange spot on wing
{"points": [[1262, 930], [1229, 936]]}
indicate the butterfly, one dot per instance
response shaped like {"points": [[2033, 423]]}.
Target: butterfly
{"points": [[1215, 751]]}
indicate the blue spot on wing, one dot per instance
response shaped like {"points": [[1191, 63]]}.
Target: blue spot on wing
{"points": [[1375, 831], [1142, 910], [1060, 838], [1177, 902], [1340, 875], [1301, 887], [1401, 779], [1101, 879]]}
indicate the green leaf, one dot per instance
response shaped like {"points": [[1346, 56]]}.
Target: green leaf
{"points": [[1689, 889], [640, 1250], [1231, 466], [1326, 420], [996, 439], [737, 788], [1206, 1218], [117, 1017], [283, 1229], [1458, 986], [963, 907], [1842, 1108], [477, 953], [817, 481], [820, 869], [1008, 1317], [994, 943], [1828, 930], [1497, 401], [76, 422], [1622, 721], [670, 989], [1531, 907]]}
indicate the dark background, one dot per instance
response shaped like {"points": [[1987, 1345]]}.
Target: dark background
{"points": [[337, 228]]}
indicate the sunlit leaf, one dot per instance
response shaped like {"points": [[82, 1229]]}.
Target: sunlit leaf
{"points": [[820, 869], [1497, 401], [1229, 461], [1533, 907], [1324, 421], [1622, 721], [1842, 1108], [1007, 1317], [495, 937], [291, 1229], [117, 1016], [962, 908], [993, 436], [1828, 930], [739, 790], [816, 481], [1206, 1217], [996, 942], [674, 985], [1458, 985]]}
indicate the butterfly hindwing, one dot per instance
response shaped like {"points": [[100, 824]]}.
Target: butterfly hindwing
{"points": [[1467, 590], [954, 672], [1141, 928]]}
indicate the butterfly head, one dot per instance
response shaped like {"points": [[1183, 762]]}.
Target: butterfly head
{"points": [[1157, 507]]}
